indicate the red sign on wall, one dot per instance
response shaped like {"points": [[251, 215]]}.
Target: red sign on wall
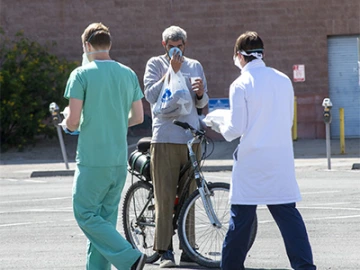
{"points": [[299, 73]]}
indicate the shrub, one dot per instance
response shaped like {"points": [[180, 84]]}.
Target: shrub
{"points": [[30, 79]]}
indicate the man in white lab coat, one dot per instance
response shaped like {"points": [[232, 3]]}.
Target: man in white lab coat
{"points": [[261, 109]]}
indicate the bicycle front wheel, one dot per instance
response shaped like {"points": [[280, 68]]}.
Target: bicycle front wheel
{"points": [[199, 238], [138, 215]]}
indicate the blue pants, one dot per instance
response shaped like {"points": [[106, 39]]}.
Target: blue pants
{"points": [[292, 229], [96, 196]]}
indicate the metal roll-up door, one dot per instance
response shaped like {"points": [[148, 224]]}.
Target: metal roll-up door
{"points": [[344, 83]]}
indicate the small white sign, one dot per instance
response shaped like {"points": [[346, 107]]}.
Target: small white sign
{"points": [[299, 73]]}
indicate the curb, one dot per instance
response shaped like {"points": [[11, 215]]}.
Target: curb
{"points": [[213, 166], [356, 166], [52, 173], [38, 174]]}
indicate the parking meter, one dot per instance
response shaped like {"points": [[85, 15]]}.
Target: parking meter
{"points": [[55, 113], [327, 120], [56, 119], [327, 108]]}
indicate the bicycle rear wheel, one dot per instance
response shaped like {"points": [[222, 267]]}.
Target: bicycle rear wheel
{"points": [[203, 244], [138, 215]]}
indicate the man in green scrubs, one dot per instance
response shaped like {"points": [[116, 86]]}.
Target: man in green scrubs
{"points": [[104, 100]]}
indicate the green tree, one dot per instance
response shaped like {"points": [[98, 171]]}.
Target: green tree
{"points": [[30, 79]]}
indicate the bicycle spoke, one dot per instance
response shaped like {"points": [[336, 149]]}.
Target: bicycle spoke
{"points": [[139, 218], [207, 237]]}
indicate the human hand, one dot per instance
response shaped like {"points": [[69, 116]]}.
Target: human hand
{"points": [[215, 126], [66, 130], [197, 86], [176, 61]]}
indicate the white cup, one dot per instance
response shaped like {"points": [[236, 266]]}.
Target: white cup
{"points": [[193, 80]]}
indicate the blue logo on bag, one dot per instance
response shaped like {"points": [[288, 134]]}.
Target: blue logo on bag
{"points": [[166, 96]]}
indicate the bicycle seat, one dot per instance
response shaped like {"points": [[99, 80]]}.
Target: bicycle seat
{"points": [[143, 145]]}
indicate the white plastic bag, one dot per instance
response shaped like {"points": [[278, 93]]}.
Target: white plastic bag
{"points": [[175, 98]]}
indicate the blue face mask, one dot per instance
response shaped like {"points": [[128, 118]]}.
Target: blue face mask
{"points": [[175, 50]]}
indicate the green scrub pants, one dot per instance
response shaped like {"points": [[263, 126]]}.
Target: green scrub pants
{"points": [[96, 196]]}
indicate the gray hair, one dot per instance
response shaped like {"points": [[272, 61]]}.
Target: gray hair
{"points": [[174, 33]]}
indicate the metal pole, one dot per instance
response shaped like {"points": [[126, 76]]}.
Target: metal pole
{"points": [[342, 130], [294, 127], [328, 145], [62, 145]]}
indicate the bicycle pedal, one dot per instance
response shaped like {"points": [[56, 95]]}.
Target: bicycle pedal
{"points": [[151, 207]]}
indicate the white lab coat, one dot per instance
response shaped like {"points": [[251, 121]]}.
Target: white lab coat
{"points": [[262, 105]]}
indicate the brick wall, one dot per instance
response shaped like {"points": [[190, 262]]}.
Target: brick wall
{"points": [[294, 32]]}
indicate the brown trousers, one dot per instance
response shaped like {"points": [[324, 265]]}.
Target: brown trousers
{"points": [[166, 162]]}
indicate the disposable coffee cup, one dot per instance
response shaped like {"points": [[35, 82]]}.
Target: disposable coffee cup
{"points": [[193, 80]]}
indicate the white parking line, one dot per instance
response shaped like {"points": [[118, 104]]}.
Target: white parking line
{"points": [[310, 219], [24, 223], [36, 200], [35, 181], [51, 210], [329, 208], [321, 208], [332, 203], [338, 217], [24, 180], [321, 192]]}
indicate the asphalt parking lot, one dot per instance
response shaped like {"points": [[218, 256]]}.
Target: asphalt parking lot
{"points": [[38, 231]]}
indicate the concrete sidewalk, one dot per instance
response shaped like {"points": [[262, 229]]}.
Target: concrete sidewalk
{"points": [[45, 159]]}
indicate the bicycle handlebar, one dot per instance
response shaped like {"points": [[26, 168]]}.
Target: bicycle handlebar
{"points": [[185, 125]]}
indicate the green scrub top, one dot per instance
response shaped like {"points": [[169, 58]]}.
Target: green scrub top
{"points": [[108, 90]]}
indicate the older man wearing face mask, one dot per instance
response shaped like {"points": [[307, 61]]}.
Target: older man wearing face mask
{"points": [[168, 146], [261, 115]]}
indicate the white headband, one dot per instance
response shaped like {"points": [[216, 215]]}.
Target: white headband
{"points": [[257, 55]]}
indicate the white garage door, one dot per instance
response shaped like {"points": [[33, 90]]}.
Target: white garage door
{"points": [[344, 83]]}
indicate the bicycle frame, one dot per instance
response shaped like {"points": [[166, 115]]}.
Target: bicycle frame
{"points": [[206, 198], [151, 195], [200, 181]]}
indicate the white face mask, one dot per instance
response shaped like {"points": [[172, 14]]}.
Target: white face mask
{"points": [[258, 54], [85, 59], [237, 62]]}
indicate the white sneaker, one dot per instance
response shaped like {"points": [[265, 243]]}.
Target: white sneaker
{"points": [[167, 264], [167, 260]]}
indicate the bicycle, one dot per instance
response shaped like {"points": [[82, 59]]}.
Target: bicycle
{"points": [[209, 202]]}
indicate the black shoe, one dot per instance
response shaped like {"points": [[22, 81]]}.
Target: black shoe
{"points": [[185, 258], [140, 263]]}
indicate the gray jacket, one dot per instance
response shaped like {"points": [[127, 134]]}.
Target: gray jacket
{"points": [[163, 129]]}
